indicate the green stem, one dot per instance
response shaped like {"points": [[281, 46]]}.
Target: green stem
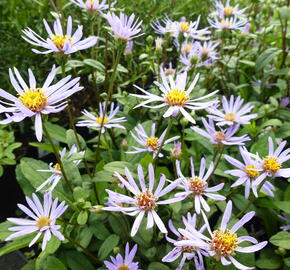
{"points": [[58, 158], [217, 157]]}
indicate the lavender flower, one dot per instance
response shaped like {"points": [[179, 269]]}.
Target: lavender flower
{"points": [[93, 6], [58, 41], [126, 263], [287, 219], [167, 27], [150, 143], [224, 137], [232, 112], [227, 10], [144, 201], [106, 120], [34, 100], [197, 186], [43, 219], [223, 243], [232, 23]]}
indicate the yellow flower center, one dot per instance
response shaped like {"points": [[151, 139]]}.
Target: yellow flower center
{"points": [[184, 27], [176, 97], [187, 47], [90, 4], [34, 99], [59, 40], [251, 171], [187, 249], [152, 142], [123, 267], [230, 117], [146, 201], [224, 242], [225, 24], [228, 11], [197, 185], [219, 136], [169, 71], [270, 164], [43, 221], [99, 120]]}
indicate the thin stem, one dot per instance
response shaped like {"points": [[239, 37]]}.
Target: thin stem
{"points": [[217, 157], [58, 158], [252, 199]]}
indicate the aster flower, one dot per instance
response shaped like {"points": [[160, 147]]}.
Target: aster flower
{"points": [[125, 263], [232, 23], [108, 119], [224, 136], [150, 143], [57, 41], [165, 26], [287, 219], [43, 218], [197, 186], [176, 151], [188, 253], [232, 112], [175, 96], [247, 173], [227, 10], [273, 162], [55, 169], [223, 243], [144, 200], [124, 28], [34, 100], [93, 5]]}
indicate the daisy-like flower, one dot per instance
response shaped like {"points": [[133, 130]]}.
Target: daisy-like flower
{"points": [[232, 112], [227, 10], [175, 96], [43, 218], [188, 253], [232, 23], [124, 28], [197, 186], [55, 169], [273, 162], [247, 173], [93, 6], [223, 136], [33, 100], [144, 200], [223, 243], [149, 143], [57, 41], [106, 120], [126, 263], [165, 26]]}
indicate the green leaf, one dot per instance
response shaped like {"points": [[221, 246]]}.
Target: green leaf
{"points": [[269, 260], [45, 146], [281, 239], [284, 206], [82, 217], [265, 58], [95, 64], [4, 233], [57, 132], [78, 261], [53, 263], [108, 245], [71, 139], [157, 266], [119, 166]]}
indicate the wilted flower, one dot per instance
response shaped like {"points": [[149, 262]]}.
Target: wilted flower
{"points": [[106, 120], [58, 41], [246, 29], [221, 137], [55, 169], [43, 219], [126, 263], [145, 201], [150, 143], [34, 100], [176, 151], [175, 96], [197, 186], [223, 243], [248, 173], [273, 162], [188, 253], [93, 5], [124, 28], [232, 112]]}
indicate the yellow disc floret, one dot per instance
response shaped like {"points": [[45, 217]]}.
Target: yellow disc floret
{"points": [[146, 201], [270, 164], [184, 27], [230, 117], [59, 40], [228, 11], [197, 185], [251, 171], [34, 99], [152, 142], [224, 242], [176, 97], [219, 136], [99, 120], [42, 222], [123, 267], [187, 249]]}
